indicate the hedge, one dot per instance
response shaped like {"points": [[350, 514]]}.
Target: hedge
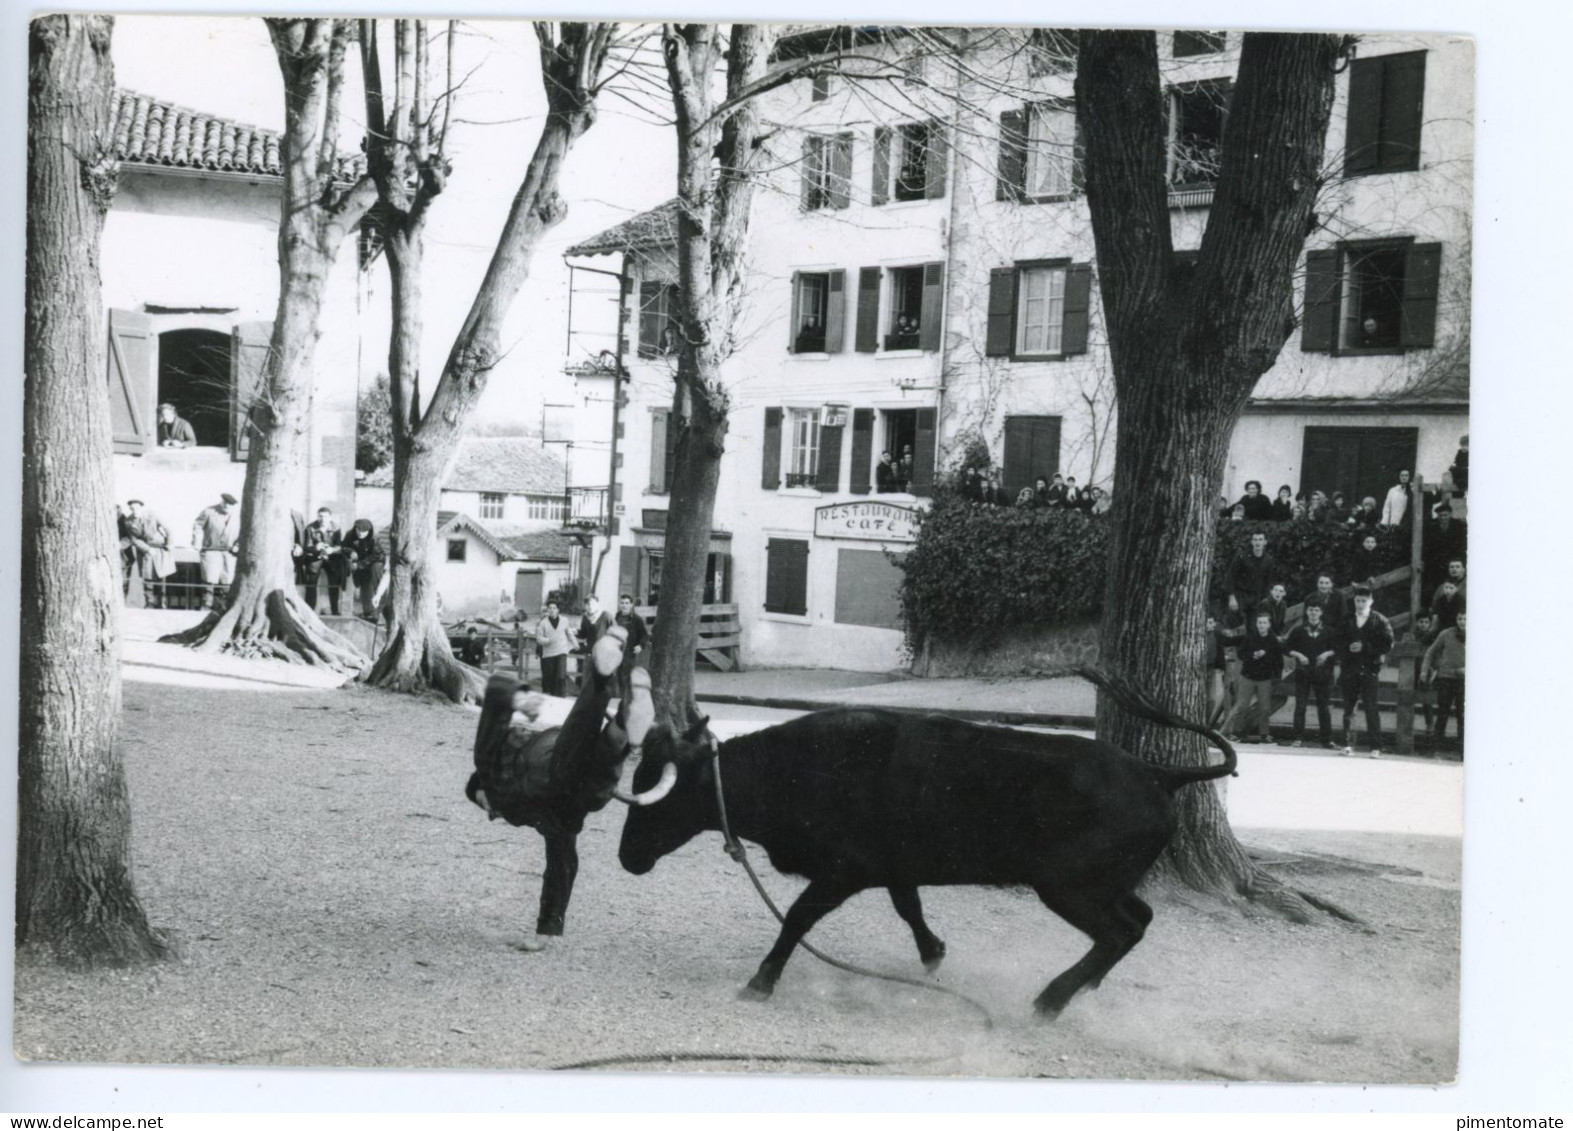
{"points": [[976, 569]]}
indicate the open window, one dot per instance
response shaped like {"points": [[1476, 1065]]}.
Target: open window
{"points": [[827, 172], [909, 162], [658, 328], [1039, 153], [905, 319], [818, 311], [1197, 112], [1371, 296], [194, 376]]}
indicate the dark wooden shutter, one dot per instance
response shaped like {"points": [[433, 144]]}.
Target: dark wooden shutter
{"points": [[923, 454], [1001, 340], [1422, 270], [806, 180], [934, 163], [248, 360], [628, 572], [1032, 448], [1403, 101], [836, 312], [828, 473], [797, 312], [1320, 327], [930, 328], [1362, 134], [770, 472], [881, 186], [786, 576], [674, 434], [1078, 306], [1011, 182], [841, 171], [862, 449], [821, 88], [132, 379], [867, 340], [651, 318], [658, 428]]}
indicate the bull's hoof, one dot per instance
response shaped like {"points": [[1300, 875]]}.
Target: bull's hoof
{"points": [[757, 990], [529, 946], [932, 960], [1048, 1010]]}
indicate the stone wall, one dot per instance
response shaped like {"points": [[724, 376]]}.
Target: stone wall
{"points": [[1022, 650]]}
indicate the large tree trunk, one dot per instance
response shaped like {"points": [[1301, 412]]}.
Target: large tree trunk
{"points": [[1187, 352], [717, 157], [572, 55], [264, 615], [75, 902]]}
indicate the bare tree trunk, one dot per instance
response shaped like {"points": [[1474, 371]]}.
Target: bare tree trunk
{"points": [[264, 615], [572, 56], [716, 161], [75, 902], [1186, 354]]}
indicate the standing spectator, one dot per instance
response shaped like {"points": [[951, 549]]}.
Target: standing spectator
{"points": [[1365, 516], [1318, 509], [1101, 502], [555, 637], [904, 468], [1216, 660], [324, 553], [1237, 513], [638, 635], [1231, 629], [1027, 499], [1425, 635], [1276, 606], [886, 475], [1365, 563], [1252, 574], [1261, 663], [1258, 508], [593, 623], [994, 493], [216, 536], [473, 649], [1365, 640], [1040, 492], [364, 559], [1055, 496], [1225, 508], [1312, 648], [1448, 602], [1444, 664], [1444, 541], [1072, 499], [128, 553], [1335, 609], [150, 542], [173, 430], [1283, 505], [298, 548], [1396, 507], [1298, 512], [1460, 469], [971, 484]]}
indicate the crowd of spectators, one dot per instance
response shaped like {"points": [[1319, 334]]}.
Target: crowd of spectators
{"points": [[985, 485]]}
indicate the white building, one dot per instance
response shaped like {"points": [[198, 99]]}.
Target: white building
{"points": [[923, 273]]}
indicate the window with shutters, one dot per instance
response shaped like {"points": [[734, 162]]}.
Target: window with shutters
{"points": [[901, 438], [1051, 150], [802, 447], [813, 311], [1386, 100], [912, 161], [1371, 296], [786, 576], [1189, 43], [1052, 51], [1197, 112], [658, 335], [1039, 310], [827, 172], [663, 451], [905, 320], [492, 504], [1040, 317]]}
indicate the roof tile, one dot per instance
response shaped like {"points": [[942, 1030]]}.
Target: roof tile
{"points": [[653, 229]]}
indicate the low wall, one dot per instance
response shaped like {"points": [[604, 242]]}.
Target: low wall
{"points": [[1020, 650]]}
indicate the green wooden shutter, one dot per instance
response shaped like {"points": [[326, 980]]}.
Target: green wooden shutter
{"points": [[836, 312], [841, 171], [1078, 306], [1403, 102], [1362, 134], [1422, 271], [881, 187], [934, 164], [806, 179], [930, 329], [797, 312], [923, 453], [770, 472], [659, 420], [867, 340], [828, 473], [651, 318], [1320, 327], [132, 378], [862, 449], [1001, 341], [1011, 182], [248, 359]]}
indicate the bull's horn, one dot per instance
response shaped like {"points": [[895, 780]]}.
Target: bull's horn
{"points": [[655, 792]]}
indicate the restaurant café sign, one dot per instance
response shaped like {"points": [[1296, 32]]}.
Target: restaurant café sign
{"points": [[880, 522]]}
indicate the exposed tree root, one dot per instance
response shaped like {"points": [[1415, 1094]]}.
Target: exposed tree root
{"points": [[1233, 879], [275, 624], [114, 941], [415, 662]]}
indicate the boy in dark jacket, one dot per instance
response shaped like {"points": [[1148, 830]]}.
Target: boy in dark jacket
{"points": [[1261, 662], [1444, 664], [1366, 638], [1312, 648]]}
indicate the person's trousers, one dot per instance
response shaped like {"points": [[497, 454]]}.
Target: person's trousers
{"points": [[1254, 708], [1217, 697], [366, 581], [312, 573], [1361, 687], [218, 573], [1449, 698], [152, 584], [1320, 685], [554, 669]]}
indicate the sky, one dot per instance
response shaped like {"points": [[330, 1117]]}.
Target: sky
{"points": [[624, 164]]}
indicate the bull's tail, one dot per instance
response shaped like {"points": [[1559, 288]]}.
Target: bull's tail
{"points": [[1141, 704]]}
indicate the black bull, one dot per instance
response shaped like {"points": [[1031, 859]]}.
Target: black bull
{"points": [[861, 798]]}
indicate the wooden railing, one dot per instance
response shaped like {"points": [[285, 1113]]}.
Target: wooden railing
{"points": [[720, 634]]}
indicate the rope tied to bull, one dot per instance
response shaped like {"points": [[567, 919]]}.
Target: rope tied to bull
{"points": [[734, 848]]}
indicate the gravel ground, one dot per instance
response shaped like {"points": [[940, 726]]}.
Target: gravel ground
{"points": [[336, 901]]}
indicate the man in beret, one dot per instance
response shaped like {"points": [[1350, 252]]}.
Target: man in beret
{"points": [[216, 537]]}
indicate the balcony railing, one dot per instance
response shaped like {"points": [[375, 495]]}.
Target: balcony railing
{"points": [[904, 341], [586, 508], [802, 479]]}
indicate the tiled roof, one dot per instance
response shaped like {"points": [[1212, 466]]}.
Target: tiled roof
{"points": [[148, 131], [509, 541], [505, 465], [653, 229]]}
